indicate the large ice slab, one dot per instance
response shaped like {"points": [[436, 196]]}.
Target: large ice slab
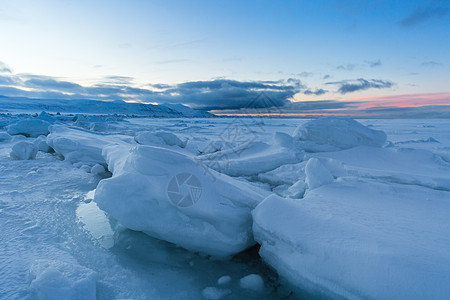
{"points": [[254, 158], [331, 134], [397, 165], [79, 145], [167, 195], [359, 238], [29, 127]]}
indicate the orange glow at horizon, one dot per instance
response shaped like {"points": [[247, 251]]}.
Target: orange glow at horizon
{"points": [[403, 100], [363, 103]]}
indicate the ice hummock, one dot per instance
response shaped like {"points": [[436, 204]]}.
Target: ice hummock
{"points": [[168, 195], [331, 134], [24, 150], [78, 145], [29, 127], [358, 238]]}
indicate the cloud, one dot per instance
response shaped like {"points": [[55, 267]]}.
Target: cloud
{"points": [[317, 92], [349, 86], [114, 79], [7, 80], [303, 106], [351, 67], [305, 74], [206, 95], [373, 64], [4, 68], [346, 67], [231, 94], [431, 64], [437, 9], [53, 84], [173, 61], [296, 108]]}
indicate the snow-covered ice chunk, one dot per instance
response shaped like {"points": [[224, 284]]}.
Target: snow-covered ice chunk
{"points": [[253, 159], [358, 238], [23, 150], [252, 282], [46, 117], [79, 145], [167, 195], [4, 137], [317, 174], [29, 127], [297, 190], [331, 134], [213, 293], [283, 139], [41, 143], [407, 166], [159, 138], [285, 174], [98, 169], [52, 279]]}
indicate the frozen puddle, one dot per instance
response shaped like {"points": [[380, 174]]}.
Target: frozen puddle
{"points": [[95, 222]]}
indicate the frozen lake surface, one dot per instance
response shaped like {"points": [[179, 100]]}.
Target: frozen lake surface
{"points": [[364, 218]]}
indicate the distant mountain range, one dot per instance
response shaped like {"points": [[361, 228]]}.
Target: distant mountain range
{"points": [[85, 106]]}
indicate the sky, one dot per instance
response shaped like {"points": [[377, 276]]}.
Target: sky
{"points": [[357, 58]]}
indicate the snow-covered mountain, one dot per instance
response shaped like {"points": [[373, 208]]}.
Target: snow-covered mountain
{"points": [[27, 105]]}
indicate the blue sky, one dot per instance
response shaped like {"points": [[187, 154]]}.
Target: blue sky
{"points": [[333, 50]]}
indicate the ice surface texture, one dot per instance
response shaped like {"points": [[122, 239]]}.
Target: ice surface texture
{"points": [[360, 238], [57, 280]]}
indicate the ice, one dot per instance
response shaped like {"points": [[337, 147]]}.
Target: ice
{"points": [[297, 190], [255, 158], [359, 238], [29, 127], [317, 174], [4, 137], [159, 138], [78, 145], [285, 174], [167, 195], [52, 279], [98, 169], [213, 293], [24, 150], [41, 143], [362, 222], [330, 134], [252, 282], [46, 117], [397, 165]]}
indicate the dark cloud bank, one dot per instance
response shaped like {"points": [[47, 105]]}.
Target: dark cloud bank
{"points": [[219, 95]]}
